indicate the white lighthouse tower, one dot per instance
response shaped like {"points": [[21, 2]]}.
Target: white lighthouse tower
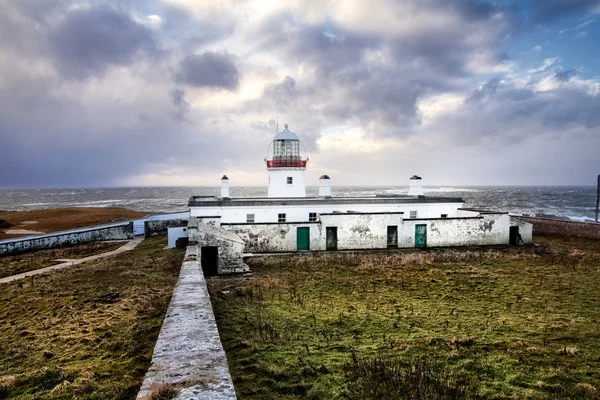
{"points": [[286, 167]]}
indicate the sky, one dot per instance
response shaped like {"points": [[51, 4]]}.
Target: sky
{"points": [[180, 92]]}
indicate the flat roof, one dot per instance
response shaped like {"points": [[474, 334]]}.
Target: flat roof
{"points": [[213, 201]]}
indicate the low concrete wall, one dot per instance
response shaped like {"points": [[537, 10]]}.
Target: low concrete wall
{"points": [[188, 354], [557, 227], [118, 231], [161, 226]]}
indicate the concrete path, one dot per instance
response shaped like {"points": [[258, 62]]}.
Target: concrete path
{"points": [[69, 263]]}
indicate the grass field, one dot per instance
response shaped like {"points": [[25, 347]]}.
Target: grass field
{"points": [[16, 264], [86, 332], [512, 323], [60, 219]]}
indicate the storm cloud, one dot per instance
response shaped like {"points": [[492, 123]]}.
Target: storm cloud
{"points": [[211, 69], [155, 93]]}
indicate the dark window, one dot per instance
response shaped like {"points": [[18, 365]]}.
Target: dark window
{"points": [[289, 180], [444, 215], [312, 217], [413, 214], [249, 217], [280, 217]]}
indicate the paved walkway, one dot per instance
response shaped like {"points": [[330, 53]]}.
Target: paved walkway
{"points": [[69, 263]]}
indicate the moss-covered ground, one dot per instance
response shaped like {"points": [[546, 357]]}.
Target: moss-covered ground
{"points": [[19, 263], [88, 331], [489, 323]]}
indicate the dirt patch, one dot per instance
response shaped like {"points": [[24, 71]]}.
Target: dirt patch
{"points": [[21, 232], [61, 219]]}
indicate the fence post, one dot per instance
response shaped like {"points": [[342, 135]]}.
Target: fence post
{"points": [[597, 197]]}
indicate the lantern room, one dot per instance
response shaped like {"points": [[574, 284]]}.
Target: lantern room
{"points": [[286, 166], [286, 151]]}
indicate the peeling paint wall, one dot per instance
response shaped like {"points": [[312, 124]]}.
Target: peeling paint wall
{"points": [[369, 231], [120, 231], [230, 246], [161, 227], [525, 230], [489, 229]]}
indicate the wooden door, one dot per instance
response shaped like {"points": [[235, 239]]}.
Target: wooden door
{"points": [[331, 238], [420, 235], [303, 238]]}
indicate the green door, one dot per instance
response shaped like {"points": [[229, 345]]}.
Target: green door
{"points": [[303, 238], [420, 235]]}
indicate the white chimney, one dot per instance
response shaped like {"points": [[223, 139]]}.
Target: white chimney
{"points": [[415, 187], [324, 186], [224, 187]]}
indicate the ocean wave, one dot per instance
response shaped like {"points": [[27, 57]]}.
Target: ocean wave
{"points": [[449, 190], [37, 204]]}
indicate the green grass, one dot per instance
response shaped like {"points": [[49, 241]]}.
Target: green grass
{"points": [[16, 264], [88, 331], [513, 323]]}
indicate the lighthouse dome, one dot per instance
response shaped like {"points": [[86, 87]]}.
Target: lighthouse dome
{"points": [[286, 134]]}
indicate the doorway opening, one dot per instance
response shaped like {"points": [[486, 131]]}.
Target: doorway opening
{"points": [[513, 235], [392, 237], [331, 238], [209, 258]]}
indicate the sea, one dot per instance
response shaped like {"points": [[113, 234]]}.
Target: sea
{"points": [[575, 203]]}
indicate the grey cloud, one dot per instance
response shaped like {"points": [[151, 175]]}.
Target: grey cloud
{"points": [[90, 40], [547, 10], [211, 69], [566, 75]]}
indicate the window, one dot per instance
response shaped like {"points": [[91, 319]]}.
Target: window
{"points": [[444, 215], [289, 180], [312, 217], [413, 214], [249, 217], [280, 217]]}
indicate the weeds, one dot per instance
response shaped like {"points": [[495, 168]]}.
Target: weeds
{"points": [[522, 322], [86, 332]]}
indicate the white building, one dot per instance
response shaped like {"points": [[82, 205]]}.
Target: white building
{"points": [[287, 220]]}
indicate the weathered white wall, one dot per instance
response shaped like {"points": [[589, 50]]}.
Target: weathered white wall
{"points": [[118, 231], [272, 238], [489, 229], [278, 186], [176, 233], [369, 231], [361, 231], [525, 229], [230, 246], [299, 213], [161, 226]]}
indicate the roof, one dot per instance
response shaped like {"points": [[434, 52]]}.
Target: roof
{"points": [[286, 134], [205, 201]]}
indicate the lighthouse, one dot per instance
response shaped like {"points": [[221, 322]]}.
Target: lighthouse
{"points": [[286, 166]]}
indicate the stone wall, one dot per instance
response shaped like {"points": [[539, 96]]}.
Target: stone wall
{"points": [[161, 227], [188, 354], [118, 231], [557, 227]]}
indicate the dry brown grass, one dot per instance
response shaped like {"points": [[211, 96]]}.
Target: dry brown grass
{"points": [[510, 323], [86, 332], [60, 219]]}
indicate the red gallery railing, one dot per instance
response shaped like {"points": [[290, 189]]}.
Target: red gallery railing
{"points": [[286, 163]]}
